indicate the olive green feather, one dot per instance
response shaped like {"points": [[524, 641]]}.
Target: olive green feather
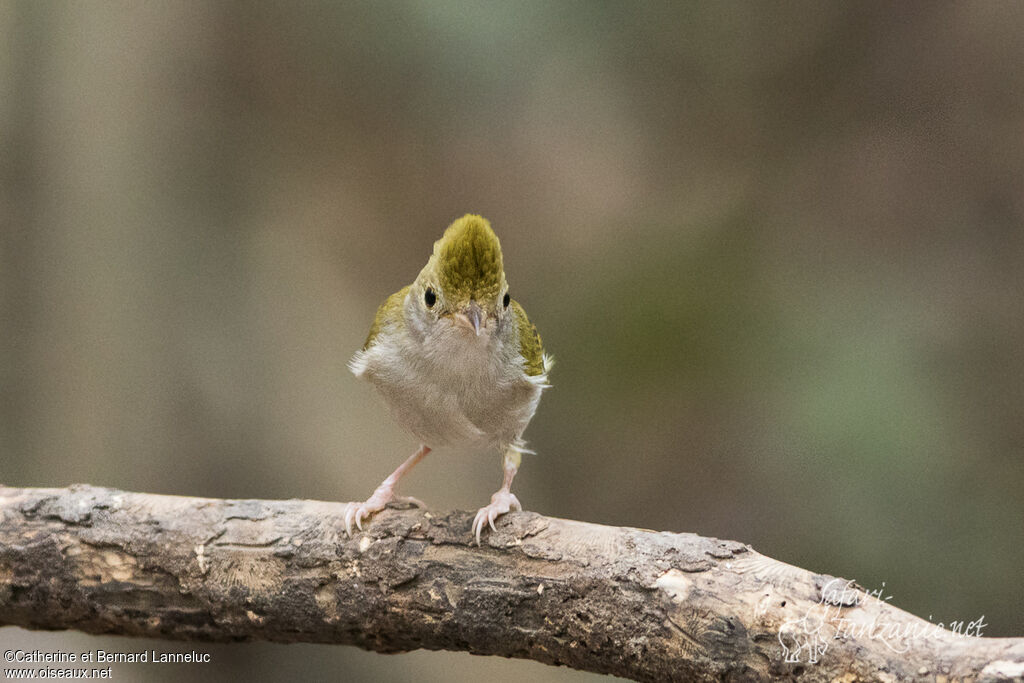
{"points": [[467, 261], [529, 342], [389, 312]]}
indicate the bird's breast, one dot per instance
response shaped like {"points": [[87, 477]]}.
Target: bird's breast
{"points": [[459, 390]]}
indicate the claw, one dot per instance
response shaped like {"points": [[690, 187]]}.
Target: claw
{"points": [[359, 512], [353, 513], [501, 502]]}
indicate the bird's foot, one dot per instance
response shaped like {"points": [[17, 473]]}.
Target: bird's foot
{"points": [[501, 502], [358, 512]]}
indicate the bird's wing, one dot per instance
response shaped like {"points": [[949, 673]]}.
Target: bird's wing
{"points": [[530, 347], [389, 312]]}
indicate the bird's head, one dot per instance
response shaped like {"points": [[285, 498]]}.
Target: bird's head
{"points": [[463, 283]]}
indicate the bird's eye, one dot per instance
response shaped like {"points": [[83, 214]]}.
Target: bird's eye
{"points": [[506, 300], [429, 297]]}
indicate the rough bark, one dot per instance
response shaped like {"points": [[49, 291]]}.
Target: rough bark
{"points": [[636, 603]]}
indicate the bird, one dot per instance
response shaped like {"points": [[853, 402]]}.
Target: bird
{"points": [[458, 364]]}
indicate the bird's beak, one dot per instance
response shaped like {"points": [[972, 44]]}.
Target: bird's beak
{"points": [[471, 316]]}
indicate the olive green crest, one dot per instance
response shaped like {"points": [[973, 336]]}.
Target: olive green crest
{"points": [[467, 261]]}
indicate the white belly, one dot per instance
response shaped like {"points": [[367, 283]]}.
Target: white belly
{"points": [[465, 391]]}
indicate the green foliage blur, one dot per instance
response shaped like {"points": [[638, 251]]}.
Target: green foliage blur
{"points": [[775, 248]]}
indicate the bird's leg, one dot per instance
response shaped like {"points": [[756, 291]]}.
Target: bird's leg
{"points": [[503, 500], [384, 494]]}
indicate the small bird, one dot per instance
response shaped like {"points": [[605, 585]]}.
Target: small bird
{"points": [[457, 362]]}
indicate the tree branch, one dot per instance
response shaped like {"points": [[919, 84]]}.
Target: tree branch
{"points": [[630, 602]]}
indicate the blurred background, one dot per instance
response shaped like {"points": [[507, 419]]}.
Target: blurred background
{"points": [[776, 249]]}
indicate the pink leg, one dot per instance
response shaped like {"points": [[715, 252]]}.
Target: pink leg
{"points": [[503, 500], [384, 494]]}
